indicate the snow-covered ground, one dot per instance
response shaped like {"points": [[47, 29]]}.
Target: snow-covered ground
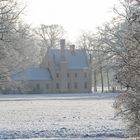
{"points": [[82, 116]]}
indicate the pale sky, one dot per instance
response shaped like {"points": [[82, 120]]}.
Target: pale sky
{"points": [[75, 16]]}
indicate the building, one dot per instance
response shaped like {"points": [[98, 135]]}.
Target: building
{"points": [[62, 70]]}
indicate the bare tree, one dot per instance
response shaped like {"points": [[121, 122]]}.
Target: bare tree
{"points": [[9, 15], [15, 40], [128, 104], [25, 43], [89, 41], [50, 34], [121, 41]]}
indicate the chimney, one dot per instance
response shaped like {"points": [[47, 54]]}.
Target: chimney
{"points": [[72, 48], [62, 47]]}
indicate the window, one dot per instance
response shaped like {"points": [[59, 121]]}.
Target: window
{"points": [[85, 75], [75, 85], [85, 84], [47, 86], [75, 75], [68, 85], [57, 75], [37, 86], [68, 75], [57, 85]]}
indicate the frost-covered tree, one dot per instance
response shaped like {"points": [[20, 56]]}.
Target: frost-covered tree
{"points": [[9, 15], [87, 42], [128, 75], [90, 42], [15, 40], [121, 41], [27, 44]]}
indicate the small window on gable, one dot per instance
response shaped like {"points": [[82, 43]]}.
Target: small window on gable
{"points": [[75, 75], [37, 86]]}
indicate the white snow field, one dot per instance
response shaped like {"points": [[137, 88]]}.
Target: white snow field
{"points": [[60, 116]]}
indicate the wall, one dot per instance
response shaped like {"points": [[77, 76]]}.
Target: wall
{"points": [[42, 86], [72, 79]]}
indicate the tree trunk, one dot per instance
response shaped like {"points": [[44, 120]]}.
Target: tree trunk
{"points": [[108, 81], [95, 81], [102, 80]]}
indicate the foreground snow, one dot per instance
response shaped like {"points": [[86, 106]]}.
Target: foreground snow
{"points": [[60, 116]]}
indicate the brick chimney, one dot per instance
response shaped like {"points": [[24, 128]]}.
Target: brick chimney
{"points": [[72, 48], [62, 47]]}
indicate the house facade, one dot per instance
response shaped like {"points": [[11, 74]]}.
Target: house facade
{"points": [[61, 71]]}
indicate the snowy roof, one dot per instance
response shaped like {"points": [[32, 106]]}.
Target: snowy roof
{"points": [[32, 74], [75, 60]]}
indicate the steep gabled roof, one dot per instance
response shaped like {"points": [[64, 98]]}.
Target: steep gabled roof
{"points": [[32, 74], [75, 60]]}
